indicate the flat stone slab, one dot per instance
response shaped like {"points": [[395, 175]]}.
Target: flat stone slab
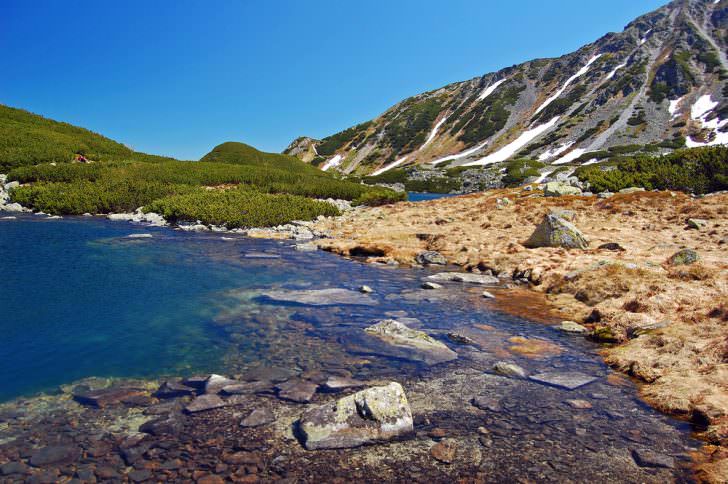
{"points": [[466, 277], [258, 417], [55, 454], [205, 402], [568, 380], [338, 383], [425, 347], [322, 297], [261, 255], [215, 383], [299, 391], [107, 396]]}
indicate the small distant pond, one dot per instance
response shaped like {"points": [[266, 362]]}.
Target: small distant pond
{"points": [[423, 197]]}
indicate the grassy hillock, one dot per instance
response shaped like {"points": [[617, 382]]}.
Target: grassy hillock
{"points": [[29, 139], [696, 170], [235, 184]]}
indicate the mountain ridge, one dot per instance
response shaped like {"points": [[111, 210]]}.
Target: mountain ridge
{"points": [[643, 86]]}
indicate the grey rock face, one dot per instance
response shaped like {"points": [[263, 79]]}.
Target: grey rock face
{"points": [[554, 231], [321, 297], [423, 346], [377, 414]]}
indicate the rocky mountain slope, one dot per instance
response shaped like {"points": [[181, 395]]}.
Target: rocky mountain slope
{"points": [[659, 85]]}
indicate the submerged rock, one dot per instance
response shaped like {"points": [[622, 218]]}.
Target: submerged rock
{"points": [[322, 297], [205, 402], [172, 389], [54, 454], [338, 383], [464, 277], [395, 333], [509, 369], [299, 391], [106, 396], [649, 458], [377, 414], [568, 380], [431, 285], [555, 231], [215, 383], [258, 417]]}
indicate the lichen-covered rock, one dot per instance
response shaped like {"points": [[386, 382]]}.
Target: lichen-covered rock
{"points": [[430, 350], [683, 258], [697, 223], [377, 414], [554, 231], [559, 189]]}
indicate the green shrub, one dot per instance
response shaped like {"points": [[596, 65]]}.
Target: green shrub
{"points": [[517, 171], [239, 208]]}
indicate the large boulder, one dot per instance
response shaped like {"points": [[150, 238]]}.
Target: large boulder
{"points": [[424, 347], [377, 414], [558, 189], [554, 231], [684, 257], [431, 257]]}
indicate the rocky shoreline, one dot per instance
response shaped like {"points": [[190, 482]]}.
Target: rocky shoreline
{"points": [[640, 271]]}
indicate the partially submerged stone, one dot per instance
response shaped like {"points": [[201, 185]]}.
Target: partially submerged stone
{"points": [[431, 257], [299, 391], [395, 333], [215, 383], [431, 285], [321, 297], [55, 455], [467, 277], [172, 389], [650, 458], [377, 414], [572, 327], [258, 417], [106, 396], [567, 380], [509, 369], [205, 402], [555, 231], [338, 383]]}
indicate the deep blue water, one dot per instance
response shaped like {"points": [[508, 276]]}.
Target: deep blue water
{"points": [[423, 197]]}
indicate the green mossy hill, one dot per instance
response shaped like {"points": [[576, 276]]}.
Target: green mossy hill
{"points": [[29, 139], [696, 170], [241, 154], [233, 185]]}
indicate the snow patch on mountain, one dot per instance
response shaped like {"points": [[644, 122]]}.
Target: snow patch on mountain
{"points": [[433, 133], [614, 71], [512, 148], [547, 155], [674, 105], [700, 112], [569, 157], [390, 166], [568, 82], [332, 163], [489, 90], [463, 154]]}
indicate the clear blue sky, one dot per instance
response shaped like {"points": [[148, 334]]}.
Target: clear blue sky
{"points": [[178, 77]]}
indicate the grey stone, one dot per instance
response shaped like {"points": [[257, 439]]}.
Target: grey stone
{"points": [[365, 289], [204, 403], [559, 189], [638, 330], [215, 383], [572, 327], [466, 277], [631, 190], [557, 232], [11, 468], [612, 246], [684, 257], [322, 297], [299, 391], [697, 223], [338, 383], [54, 454], [509, 369], [430, 350], [431, 257], [172, 389], [568, 380], [488, 295], [377, 414], [431, 285], [258, 417], [650, 458]]}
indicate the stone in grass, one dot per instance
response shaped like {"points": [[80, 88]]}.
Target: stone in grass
{"points": [[555, 231], [567, 380], [559, 189], [258, 417], [397, 334], [377, 414], [683, 257], [697, 223]]}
